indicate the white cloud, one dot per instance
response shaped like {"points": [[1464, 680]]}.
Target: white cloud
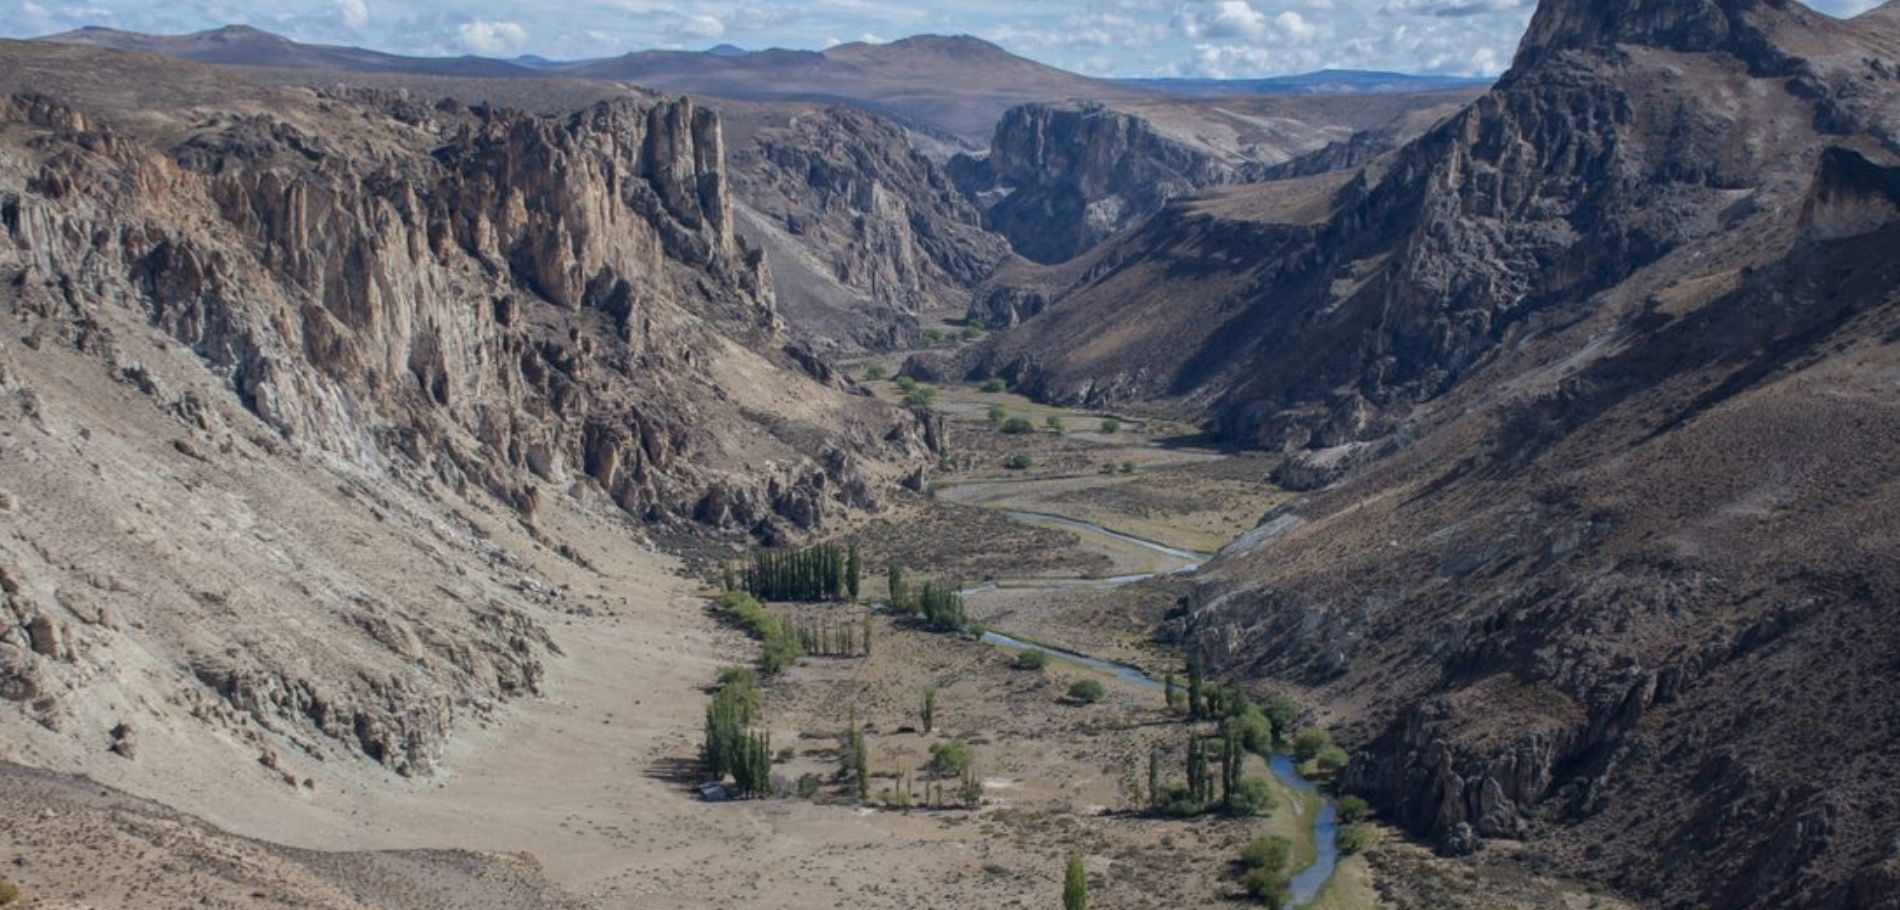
{"points": [[354, 13], [1221, 19], [702, 26], [492, 38]]}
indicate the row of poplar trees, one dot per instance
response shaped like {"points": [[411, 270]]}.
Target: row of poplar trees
{"points": [[824, 572]]}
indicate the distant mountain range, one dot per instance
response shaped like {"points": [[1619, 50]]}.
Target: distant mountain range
{"points": [[1323, 82], [952, 87]]}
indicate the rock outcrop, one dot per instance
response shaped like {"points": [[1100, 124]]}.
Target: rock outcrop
{"points": [[277, 344], [868, 235], [1061, 178]]}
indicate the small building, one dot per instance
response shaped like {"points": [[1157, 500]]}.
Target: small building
{"points": [[714, 792]]}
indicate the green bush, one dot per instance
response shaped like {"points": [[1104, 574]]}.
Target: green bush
{"points": [[1331, 759], [1256, 731], [807, 785], [1031, 660], [919, 396], [1283, 711], [1111, 425], [1087, 691], [778, 640], [950, 759], [1252, 797], [1128, 467], [905, 383], [997, 414], [1309, 744], [1017, 426], [9, 894], [1019, 462], [1355, 839], [1352, 810], [1266, 861], [1053, 422], [994, 386], [1178, 802], [933, 336], [875, 372], [1268, 887]]}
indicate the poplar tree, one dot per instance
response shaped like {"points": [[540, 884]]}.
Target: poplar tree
{"points": [[1194, 688], [1075, 885], [853, 572], [1154, 778], [894, 579]]}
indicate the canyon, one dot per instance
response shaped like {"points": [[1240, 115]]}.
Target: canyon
{"points": [[374, 429]]}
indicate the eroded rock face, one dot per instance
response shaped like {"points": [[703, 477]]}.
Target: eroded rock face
{"points": [[874, 233], [523, 282], [1060, 178], [420, 305]]}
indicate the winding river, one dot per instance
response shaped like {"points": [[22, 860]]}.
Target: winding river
{"points": [[1306, 885]]}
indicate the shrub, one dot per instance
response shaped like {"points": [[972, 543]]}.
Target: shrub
{"points": [[1178, 802], [950, 759], [1331, 759], [1108, 467], [994, 386], [997, 414], [1351, 809], [1111, 425], [970, 333], [905, 383], [778, 640], [807, 785], [1266, 886], [875, 372], [1031, 660], [1128, 467], [1266, 860], [1252, 797], [9, 894], [919, 396], [1283, 711], [1355, 839], [738, 676], [933, 336], [1087, 691], [1053, 422], [1019, 462], [1309, 744], [1017, 426]]}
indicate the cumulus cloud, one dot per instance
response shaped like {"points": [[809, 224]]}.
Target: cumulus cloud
{"points": [[1220, 19], [492, 38]]}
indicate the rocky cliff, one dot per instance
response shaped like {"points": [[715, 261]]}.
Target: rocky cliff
{"points": [[1588, 385], [1060, 178], [358, 335], [866, 233]]}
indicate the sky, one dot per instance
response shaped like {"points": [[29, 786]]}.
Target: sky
{"points": [[1208, 38]]}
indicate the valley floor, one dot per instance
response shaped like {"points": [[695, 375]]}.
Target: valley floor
{"points": [[590, 786]]}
